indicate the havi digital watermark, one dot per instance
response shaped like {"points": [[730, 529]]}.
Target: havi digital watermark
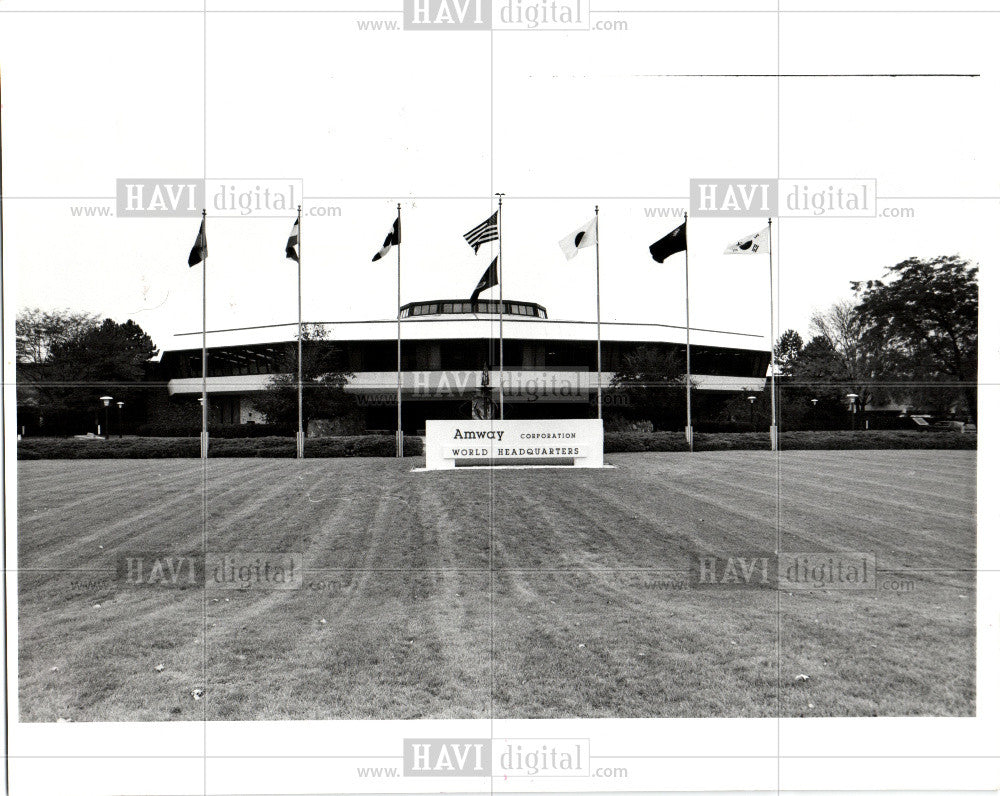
{"points": [[787, 571], [784, 198], [159, 197], [508, 757], [496, 14]]}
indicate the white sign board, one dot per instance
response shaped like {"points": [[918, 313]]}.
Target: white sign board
{"points": [[493, 442]]}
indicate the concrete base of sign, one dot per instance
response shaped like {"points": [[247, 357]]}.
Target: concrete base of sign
{"points": [[527, 443]]}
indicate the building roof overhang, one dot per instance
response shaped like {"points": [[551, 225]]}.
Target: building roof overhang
{"points": [[465, 327]]}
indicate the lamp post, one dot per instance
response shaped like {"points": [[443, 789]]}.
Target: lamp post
{"points": [[814, 401], [106, 400], [751, 399], [121, 431], [853, 398]]}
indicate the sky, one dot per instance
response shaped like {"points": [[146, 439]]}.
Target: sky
{"points": [[558, 121]]}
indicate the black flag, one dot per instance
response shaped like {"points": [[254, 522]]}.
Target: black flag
{"points": [[671, 243], [293, 241], [392, 239], [199, 251], [489, 280]]}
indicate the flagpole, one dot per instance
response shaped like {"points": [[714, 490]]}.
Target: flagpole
{"points": [[688, 430], [500, 285], [774, 381], [597, 260], [300, 437], [204, 340], [399, 334]]}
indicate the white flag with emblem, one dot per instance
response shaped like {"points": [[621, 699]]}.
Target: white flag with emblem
{"points": [[755, 244], [579, 239]]}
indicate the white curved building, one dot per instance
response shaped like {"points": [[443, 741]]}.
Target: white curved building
{"points": [[550, 366]]}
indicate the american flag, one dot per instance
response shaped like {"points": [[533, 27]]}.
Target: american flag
{"points": [[488, 231]]}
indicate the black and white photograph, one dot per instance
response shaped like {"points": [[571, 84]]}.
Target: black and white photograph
{"points": [[500, 396]]}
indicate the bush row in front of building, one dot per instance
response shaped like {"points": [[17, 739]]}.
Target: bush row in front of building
{"points": [[385, 446], [181, 448], [632, 442]]}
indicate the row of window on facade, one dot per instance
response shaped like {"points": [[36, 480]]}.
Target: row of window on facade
{"points": [[380, 356], [469, 307]]}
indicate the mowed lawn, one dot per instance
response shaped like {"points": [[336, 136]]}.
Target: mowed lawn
{"points": [[517, 593]]}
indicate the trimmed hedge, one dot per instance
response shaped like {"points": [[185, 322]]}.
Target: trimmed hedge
{"points": [[876, 440], [631, 442], [143, 448], [664, 441], [385, 446], [182, 448]]}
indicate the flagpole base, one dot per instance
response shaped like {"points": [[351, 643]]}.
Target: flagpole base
{"points": [[689, 436], [399, 444], [774, 438], [300, 444], [204, 444]]}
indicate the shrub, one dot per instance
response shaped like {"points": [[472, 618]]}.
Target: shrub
{"points": [[131, 448], [361, 445], [385, 446], [635, 441], [187, 447], [876, 440], [729, 426], [748, 440], [626, 442]]}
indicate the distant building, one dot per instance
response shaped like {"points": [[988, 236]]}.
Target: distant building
{"points": [[550, 366]]}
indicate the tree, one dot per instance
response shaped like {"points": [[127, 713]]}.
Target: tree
{"points": [[929, 311], [76, 359], [112, 352], [854, 355], [786, 352], [821, 374], [323, 381], [820, 364], [754, 415], [650, 386], [110, 359], [37, 331]]}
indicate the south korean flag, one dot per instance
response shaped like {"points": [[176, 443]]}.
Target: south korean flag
{"points": [[755, 244]]}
